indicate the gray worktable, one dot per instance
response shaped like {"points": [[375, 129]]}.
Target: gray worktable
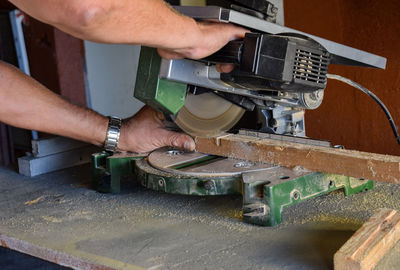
{"points": [[59, 218]]}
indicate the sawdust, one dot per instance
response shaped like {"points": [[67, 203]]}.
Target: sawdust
{"points": [[3, 243], [370, 165], [51, 219], [86, 215], [35, 201], [138, 212], [234, 214], [301, 169], [80, 185], [49, 198]]}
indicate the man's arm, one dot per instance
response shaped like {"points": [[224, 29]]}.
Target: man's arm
{"points": [[25, 103], [148, 22]]}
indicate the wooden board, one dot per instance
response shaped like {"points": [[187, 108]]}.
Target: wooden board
{"points": [[370, 243], [315, 158]]}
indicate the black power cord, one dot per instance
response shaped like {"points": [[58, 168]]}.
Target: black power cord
{"points": [[373, 96]]}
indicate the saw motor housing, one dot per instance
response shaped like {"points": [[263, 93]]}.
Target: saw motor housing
{"points": [[273, 72], [275, 62]]}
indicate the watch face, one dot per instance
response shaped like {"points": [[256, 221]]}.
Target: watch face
{"points": [[115, 121]]}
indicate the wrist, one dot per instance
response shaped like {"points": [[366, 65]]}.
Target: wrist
{"points": [[98, 128], [184, 39], [196, 39], [124, 143]]}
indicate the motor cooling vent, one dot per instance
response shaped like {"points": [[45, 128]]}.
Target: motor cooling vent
{"points": [[310, 66]]}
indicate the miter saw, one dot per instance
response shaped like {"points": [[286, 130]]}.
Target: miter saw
{"points": [[279, 72]]}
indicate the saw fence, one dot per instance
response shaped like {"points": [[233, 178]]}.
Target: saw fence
{"points": [[384, 168]]}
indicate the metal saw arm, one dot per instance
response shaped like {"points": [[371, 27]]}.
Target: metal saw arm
{"points": [[341, 54]]}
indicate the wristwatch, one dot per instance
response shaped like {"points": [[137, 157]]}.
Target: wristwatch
{"points": [[113, 132]]}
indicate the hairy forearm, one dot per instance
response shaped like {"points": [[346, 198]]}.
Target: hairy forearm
{"points": [[27, 104], [148, 22]]}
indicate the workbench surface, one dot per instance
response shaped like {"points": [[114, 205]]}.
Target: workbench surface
{"points": [[59, 218]]}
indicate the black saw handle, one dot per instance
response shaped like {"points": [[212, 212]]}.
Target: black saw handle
{"points": [[230, 53]]}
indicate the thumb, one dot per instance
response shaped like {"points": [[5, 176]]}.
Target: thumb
{"points": [[179, 140], [225, 68], [168, 54]]}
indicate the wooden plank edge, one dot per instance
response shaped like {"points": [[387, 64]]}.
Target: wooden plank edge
{"points": [[352, 163], [370, 243]]}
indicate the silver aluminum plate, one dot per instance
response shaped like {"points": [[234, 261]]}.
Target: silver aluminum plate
{"points": [[342, 54]]}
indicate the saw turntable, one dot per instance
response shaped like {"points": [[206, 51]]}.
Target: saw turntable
{"points": [[279, 72], [266, 189]]}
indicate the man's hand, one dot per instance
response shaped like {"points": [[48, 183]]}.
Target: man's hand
{"points": [[210, 37], [145, 132]]}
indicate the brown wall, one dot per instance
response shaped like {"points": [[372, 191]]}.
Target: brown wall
{"points": [[56, 60], [7, 54], [5, 5], [347, 116]]}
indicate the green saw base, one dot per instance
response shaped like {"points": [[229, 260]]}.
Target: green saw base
{"points": [[264, 195]]}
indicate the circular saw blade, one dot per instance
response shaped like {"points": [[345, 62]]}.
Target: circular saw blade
{"points": [[207, 114]]}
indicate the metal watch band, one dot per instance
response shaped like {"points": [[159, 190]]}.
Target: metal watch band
{"points": [[112, 136]]}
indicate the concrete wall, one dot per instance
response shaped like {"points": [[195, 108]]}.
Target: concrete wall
{"points": [[111, 75], [347, 116]]}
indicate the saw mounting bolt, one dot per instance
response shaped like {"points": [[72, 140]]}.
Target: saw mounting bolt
{"points": [[174, 152], [208, 185]]}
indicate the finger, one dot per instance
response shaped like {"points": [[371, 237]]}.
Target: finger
{"points": [[160, 116], [178, 140], [225, 68], [237, 32]]}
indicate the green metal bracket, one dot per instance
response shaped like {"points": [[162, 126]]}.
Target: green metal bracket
{"points": [[107, 171], [163, 95], [266, 196], [265, 193]]}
